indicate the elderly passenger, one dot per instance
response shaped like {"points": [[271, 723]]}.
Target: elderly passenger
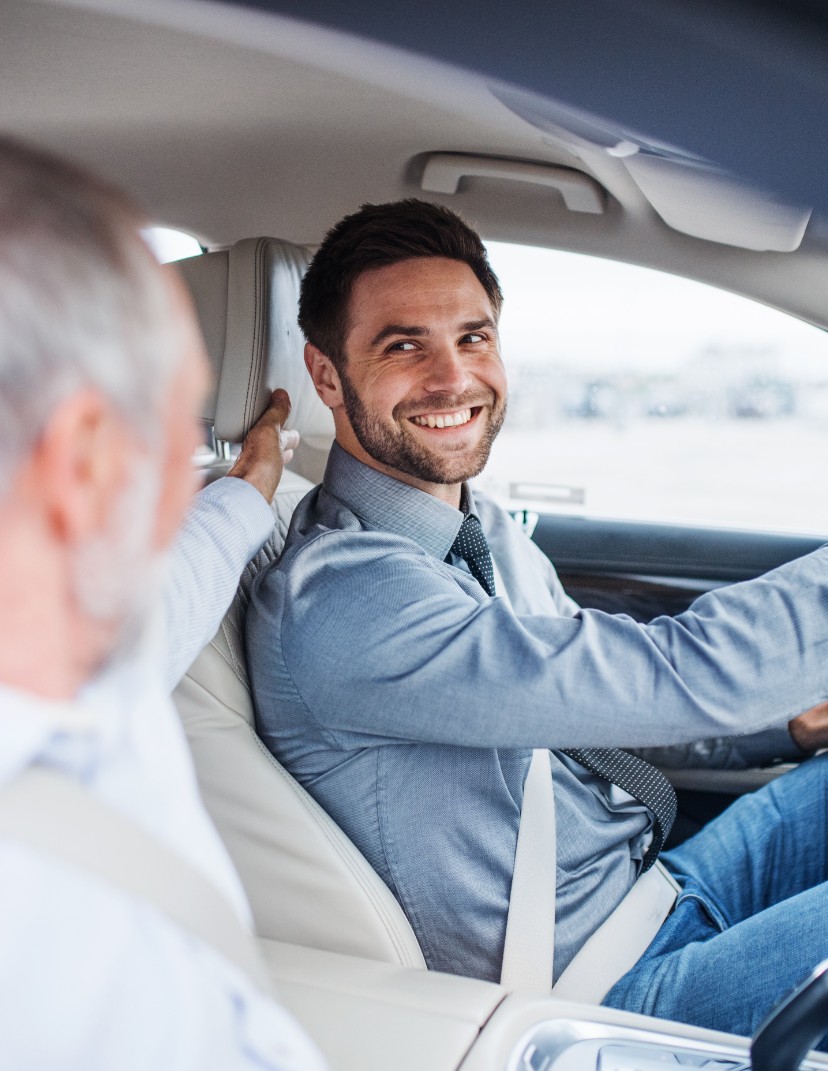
{"points": [[102, 373]]}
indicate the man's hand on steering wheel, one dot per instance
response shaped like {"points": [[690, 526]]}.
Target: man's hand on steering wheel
{"points": [[810, 730]]}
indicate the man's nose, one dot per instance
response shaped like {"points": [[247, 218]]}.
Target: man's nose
{"points": [[448, 371]]}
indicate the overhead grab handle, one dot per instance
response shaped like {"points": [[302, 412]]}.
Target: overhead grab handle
{"points": [[444, 170]]}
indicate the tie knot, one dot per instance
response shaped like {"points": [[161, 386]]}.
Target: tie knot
{"points": [[472, 547]]}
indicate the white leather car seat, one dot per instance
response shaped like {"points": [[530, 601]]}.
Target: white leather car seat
{"points": [[307, 883]]}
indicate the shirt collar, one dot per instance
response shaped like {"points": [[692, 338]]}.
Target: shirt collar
{"points": [[387, 505]]}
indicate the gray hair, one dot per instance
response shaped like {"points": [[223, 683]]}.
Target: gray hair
{"points": [[82, 301]]}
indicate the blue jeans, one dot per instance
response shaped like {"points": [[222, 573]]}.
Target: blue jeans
{"points": [[751, 921]]}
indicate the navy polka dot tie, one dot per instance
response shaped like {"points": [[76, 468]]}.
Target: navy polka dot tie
{"points": [[471, 546], [640, 779]]}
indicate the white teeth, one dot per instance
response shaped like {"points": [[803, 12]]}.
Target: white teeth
{"points": [[444, 420]]}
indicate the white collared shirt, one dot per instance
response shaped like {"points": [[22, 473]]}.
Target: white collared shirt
{"points": [[91, 978]]}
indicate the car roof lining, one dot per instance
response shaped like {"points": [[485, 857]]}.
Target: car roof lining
{"points": [[181, 116]]}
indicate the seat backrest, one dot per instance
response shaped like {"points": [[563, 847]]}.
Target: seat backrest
{"points": [[246, 299], [306, 881]]}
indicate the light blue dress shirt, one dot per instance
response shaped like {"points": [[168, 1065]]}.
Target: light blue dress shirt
{"points": [[407, 701]]}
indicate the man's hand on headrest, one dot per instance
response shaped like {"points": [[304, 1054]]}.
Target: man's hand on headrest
{"points": [[267, 448]]}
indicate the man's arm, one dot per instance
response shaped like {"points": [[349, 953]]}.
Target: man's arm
{"points": [[383, 645], [791, 741], [228, 523]]}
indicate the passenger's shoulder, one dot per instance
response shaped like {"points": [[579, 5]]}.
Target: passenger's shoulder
{"points": [[89, 972], [81, 947]]}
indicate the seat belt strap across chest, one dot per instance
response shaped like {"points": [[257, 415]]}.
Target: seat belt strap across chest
{"points": [[48, 812], [529, 949]]}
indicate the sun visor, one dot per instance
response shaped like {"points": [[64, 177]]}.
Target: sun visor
{"points": [[707, 204]]}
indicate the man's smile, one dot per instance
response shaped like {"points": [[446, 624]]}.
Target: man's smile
{"points": [[454, 419]]}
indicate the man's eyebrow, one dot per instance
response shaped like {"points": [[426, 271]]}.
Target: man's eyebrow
{"points": [[412, 331], [477, 325], [398, 329]]}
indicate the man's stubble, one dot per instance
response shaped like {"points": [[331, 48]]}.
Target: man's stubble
{"points": [[393, 449]]}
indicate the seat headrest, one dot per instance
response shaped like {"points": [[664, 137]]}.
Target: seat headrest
{"points": [[246, 299]]}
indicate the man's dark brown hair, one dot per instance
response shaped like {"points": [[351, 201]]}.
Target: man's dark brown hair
{"points": [[375, 237]]}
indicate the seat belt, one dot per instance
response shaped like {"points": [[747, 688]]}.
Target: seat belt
{"points": [[529, 949], [621, 940], [617, 944], [47, 811]]}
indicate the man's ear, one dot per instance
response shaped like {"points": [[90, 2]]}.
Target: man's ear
{"points": [[325, 377], [80, 464]]}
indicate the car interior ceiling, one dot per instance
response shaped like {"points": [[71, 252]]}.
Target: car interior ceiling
{"points": [[320, 137]]}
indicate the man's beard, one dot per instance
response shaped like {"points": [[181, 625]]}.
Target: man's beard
{"points": [[393, 448], [117, 575]]}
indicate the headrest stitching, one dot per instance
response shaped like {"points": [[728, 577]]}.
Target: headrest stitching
{"points": [[259, 280]]}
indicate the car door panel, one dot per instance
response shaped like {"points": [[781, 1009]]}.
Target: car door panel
{"points": [[647, 569]]}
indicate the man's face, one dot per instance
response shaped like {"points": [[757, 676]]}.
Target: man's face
{"points": [[424, 389]]}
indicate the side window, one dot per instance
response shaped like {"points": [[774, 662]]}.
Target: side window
{"points": [[644, 396], [169, 245]]}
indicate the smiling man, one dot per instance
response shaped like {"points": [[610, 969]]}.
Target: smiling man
{"points": [[412, 647]]}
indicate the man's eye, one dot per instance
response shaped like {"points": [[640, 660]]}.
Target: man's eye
{"points": [[473, 337], [401, 347]]}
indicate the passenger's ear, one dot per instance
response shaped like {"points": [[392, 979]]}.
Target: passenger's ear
{"points": [[325, 377], [80, 464]]}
